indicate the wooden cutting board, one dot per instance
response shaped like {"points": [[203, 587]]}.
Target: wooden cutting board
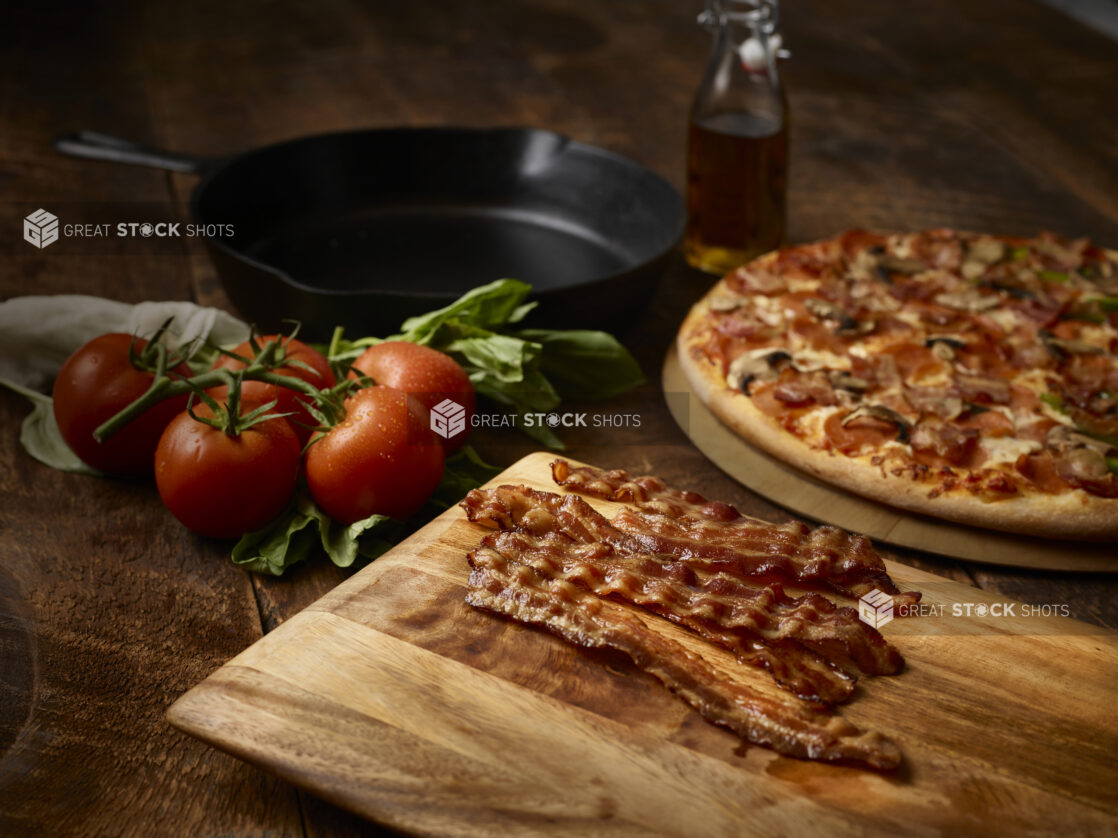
{"points": [[806, 495], [391, 697]]}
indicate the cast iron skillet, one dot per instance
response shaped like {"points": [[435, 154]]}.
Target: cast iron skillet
{"points": [[366, 228]]}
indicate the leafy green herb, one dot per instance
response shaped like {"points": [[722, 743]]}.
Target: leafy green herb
{"points": [[585, 364], [523, 371], [1054, 401], [1084, 316], [1112, 464], [1053, 276], [464, 470], [1019, 253], [1106, 303], [40, 437], [1107, 438], [295, 534]]}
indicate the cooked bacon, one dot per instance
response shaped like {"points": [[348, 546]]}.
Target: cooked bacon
{"points": [[737, 325], [988, 390], [649, 493], [799, 641], [750, 279], [937, 401], [796, 388], [1086, 468], [749, 549], [786, 552], [945, 440], [745, 549], [581, 618], [765, 612]]}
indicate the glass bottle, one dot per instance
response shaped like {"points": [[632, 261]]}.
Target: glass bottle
{"points": [[737, 149]]}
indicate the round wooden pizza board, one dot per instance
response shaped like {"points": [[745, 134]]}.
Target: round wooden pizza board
{"points": [[807, 496]]}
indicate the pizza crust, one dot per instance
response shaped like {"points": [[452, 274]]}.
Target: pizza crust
{"points": [[1075, 515]]}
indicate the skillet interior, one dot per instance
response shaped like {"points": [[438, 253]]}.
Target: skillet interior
{"points": [[398, 215]]}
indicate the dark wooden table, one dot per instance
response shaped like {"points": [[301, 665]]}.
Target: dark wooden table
{"points": [[984, 114]]}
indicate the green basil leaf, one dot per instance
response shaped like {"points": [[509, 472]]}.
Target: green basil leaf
{"points": [[295, 534], [1054, 401], [543, 435], [1053, 276], [487, 307], [585, 364], [39, 434], [533, 394], [464, 470], [496, 358], [1112, 464], [285, 541], [1105, 303]]}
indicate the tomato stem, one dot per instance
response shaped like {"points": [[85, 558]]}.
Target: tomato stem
{"points": [[166, 385]]}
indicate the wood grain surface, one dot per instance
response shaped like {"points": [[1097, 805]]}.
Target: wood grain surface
{"points": [[991, 115], [394, 698]]}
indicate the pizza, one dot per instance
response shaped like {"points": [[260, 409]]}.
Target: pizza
{"points": [[965, 376]]}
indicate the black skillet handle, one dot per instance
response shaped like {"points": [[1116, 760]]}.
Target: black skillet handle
{"points": [[96, 146]]}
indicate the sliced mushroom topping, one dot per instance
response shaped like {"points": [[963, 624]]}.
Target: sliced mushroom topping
{"points": [[843, 380], [844, 323], [1064, 348], [973, 269], [1081, 460], [824, 309], [1087, 469], [954, 341], [761, 365], [882, 414], [1062, 438], [943, 351], [936, 401], [986, 251], [726, 302], [944, 346], [969, 299], [1018, 292], [1056, 251], [900, 265]]}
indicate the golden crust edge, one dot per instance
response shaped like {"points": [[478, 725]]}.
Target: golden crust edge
{"points": [[1074, 516]]}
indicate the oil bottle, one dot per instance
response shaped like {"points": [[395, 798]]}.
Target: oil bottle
{"points": [[737, 149]]}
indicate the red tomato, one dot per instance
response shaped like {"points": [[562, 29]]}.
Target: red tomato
{"points": [[287, 401], [224, 486], [430, 376], [96, 383], [382, 459]]}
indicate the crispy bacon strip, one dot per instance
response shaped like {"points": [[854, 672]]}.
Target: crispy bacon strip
{"points": [[581, 618], [745, 626], [687, 524], [812, 620], [752, 551]]}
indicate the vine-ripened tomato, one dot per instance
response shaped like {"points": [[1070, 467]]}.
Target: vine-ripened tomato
{"points": [[96, 383], [381, 459], [287, 401], [224, 486], [429, 375]]}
